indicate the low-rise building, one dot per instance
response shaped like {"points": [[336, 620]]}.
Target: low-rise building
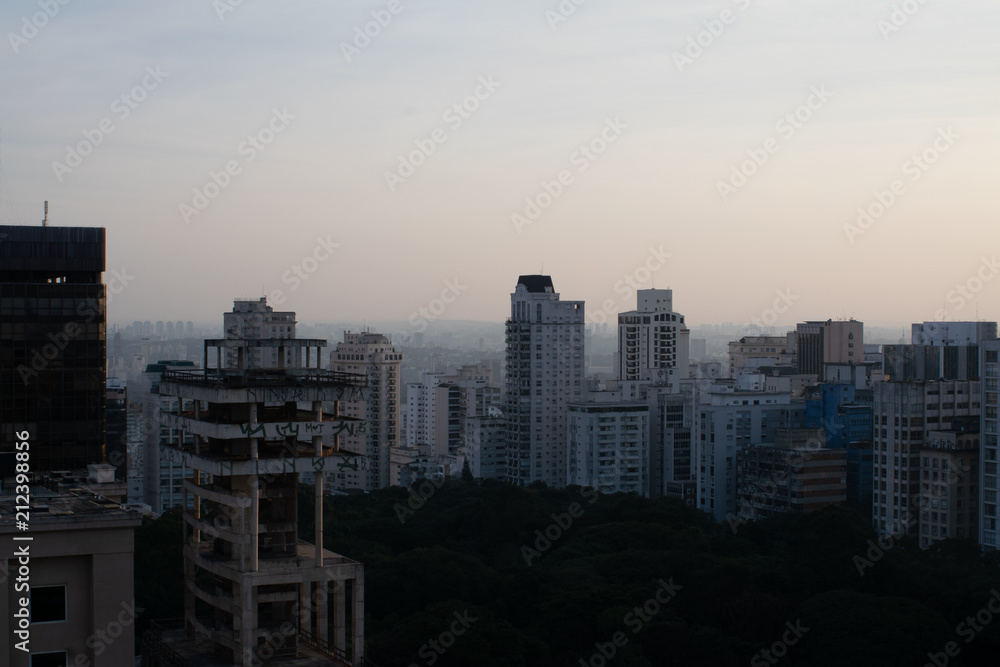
{"points": [[80, 590]]}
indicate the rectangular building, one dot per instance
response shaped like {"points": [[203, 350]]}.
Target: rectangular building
{"points": [[81, 583], [53, 343], [608, 445], [904, 416], [653, 341], [773, 480], [949, 493], [728, 422], [545, 372], [829, 342], [375, 357]]}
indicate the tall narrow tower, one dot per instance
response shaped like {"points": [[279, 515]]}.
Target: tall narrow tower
{"points": [[375, 357], [545, 372]]}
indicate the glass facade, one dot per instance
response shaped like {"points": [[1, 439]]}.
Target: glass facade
{"points": [[53, 343]]}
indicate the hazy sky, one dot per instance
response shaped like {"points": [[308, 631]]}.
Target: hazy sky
{"points": [[153, 97]]}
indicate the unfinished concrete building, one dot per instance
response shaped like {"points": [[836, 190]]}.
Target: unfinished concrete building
{"points": [[256, 594]]}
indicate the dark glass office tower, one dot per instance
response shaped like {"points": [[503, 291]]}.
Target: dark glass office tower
{"points": [[53, 343]]}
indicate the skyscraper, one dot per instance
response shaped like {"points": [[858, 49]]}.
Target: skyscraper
{"points": [[653, 341], [907, 413], [53, 343], [545, 372], [375, 357]]}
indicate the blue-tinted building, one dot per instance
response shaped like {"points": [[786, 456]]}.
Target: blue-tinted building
{"points": [[846, 416]]}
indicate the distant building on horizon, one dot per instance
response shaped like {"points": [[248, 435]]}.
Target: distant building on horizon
{"points": [[372, 355], [830, 342], [255, 320]]}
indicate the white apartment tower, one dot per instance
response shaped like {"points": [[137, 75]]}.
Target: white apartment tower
{"points": [[653, 341], [609, 446], [255, 320], [374, 356], [545, 372]]}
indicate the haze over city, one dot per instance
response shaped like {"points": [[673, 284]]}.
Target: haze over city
{"points": [[649, 131]]}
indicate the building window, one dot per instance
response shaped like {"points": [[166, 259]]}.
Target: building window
{"points": [[48, 604], [50, 659]]}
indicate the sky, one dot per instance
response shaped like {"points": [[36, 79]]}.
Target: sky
{"points": [[768, 160]]}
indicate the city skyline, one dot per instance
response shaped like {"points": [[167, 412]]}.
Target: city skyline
{"points": [[289, 144]]}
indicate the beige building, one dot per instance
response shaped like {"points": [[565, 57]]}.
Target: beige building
{"points": [[949, 494], [374, 356], [756, 351], [79, 579], [830, 342], [252, 320]]}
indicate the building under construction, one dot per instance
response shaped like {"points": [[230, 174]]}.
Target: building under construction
{"points": [[255, 593]]}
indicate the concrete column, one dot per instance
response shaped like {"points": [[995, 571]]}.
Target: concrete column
{"points": [[189, 609], [319, 518], [253, 422], [305, 620], [317, 410], [322, 614], [339, 594], [254, 521], [358, 616], [248, 623]]}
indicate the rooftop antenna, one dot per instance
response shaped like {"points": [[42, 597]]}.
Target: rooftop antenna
{"points": [[45, 220]]}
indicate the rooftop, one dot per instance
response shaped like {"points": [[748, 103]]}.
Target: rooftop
{"points": [[537, 283]]}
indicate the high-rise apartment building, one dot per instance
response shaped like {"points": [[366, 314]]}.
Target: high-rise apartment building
{"points": [[952, 333], [439, 404], [905, 415], [545, 372], [486, 446], [949, 483], [729, 421], [53, 343], [163, 478], [653, 341], [990, 451], [373, 356], [609, 446], [135, 448], [116, 436]]}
